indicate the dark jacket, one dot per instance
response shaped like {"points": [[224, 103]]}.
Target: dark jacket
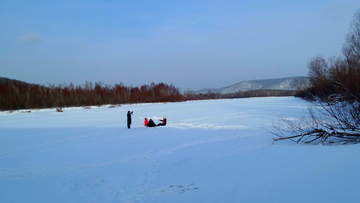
{"points": [[129, 117], [151, 123]]}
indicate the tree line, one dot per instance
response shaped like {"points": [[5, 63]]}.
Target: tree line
{"points": [[191, 95], [16, 94]]}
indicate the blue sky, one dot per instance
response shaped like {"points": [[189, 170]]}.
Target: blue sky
{"points": [[190, 44]]}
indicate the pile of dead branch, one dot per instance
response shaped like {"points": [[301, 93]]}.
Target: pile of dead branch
{"points": [[324, 123]]}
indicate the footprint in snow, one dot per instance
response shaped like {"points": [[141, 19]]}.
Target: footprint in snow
{"points": [[175, 189]]}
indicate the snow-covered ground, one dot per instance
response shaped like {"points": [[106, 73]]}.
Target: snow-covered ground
{"points": [[210, 151]]}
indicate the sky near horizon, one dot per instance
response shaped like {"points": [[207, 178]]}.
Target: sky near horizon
{"points": [[190, 44]]}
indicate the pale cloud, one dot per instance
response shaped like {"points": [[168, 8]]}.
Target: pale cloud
{"points": [[29, 39]]}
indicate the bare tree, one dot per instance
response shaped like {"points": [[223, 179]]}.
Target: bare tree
{"points": [[351, 49], [334, 112]]}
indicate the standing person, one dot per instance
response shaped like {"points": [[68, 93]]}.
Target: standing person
{"points": [[146, 121], [129, 118], [163, 122]]}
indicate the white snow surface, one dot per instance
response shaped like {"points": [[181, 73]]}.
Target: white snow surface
{"points": [[210, 151]]}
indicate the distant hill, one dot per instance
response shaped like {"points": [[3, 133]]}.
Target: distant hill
{"points": [[269, 84]]}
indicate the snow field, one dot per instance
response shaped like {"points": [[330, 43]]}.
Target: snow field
{"points": [[210, 151]]}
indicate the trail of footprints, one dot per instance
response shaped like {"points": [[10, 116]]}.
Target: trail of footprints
{"points": [[129, 194]]}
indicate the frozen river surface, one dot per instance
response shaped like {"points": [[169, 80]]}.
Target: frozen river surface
{"points": [[210, 151]]}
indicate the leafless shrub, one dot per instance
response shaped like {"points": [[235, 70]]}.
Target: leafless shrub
{"points": [[59, 110], [325, 122], [86, 107]]}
